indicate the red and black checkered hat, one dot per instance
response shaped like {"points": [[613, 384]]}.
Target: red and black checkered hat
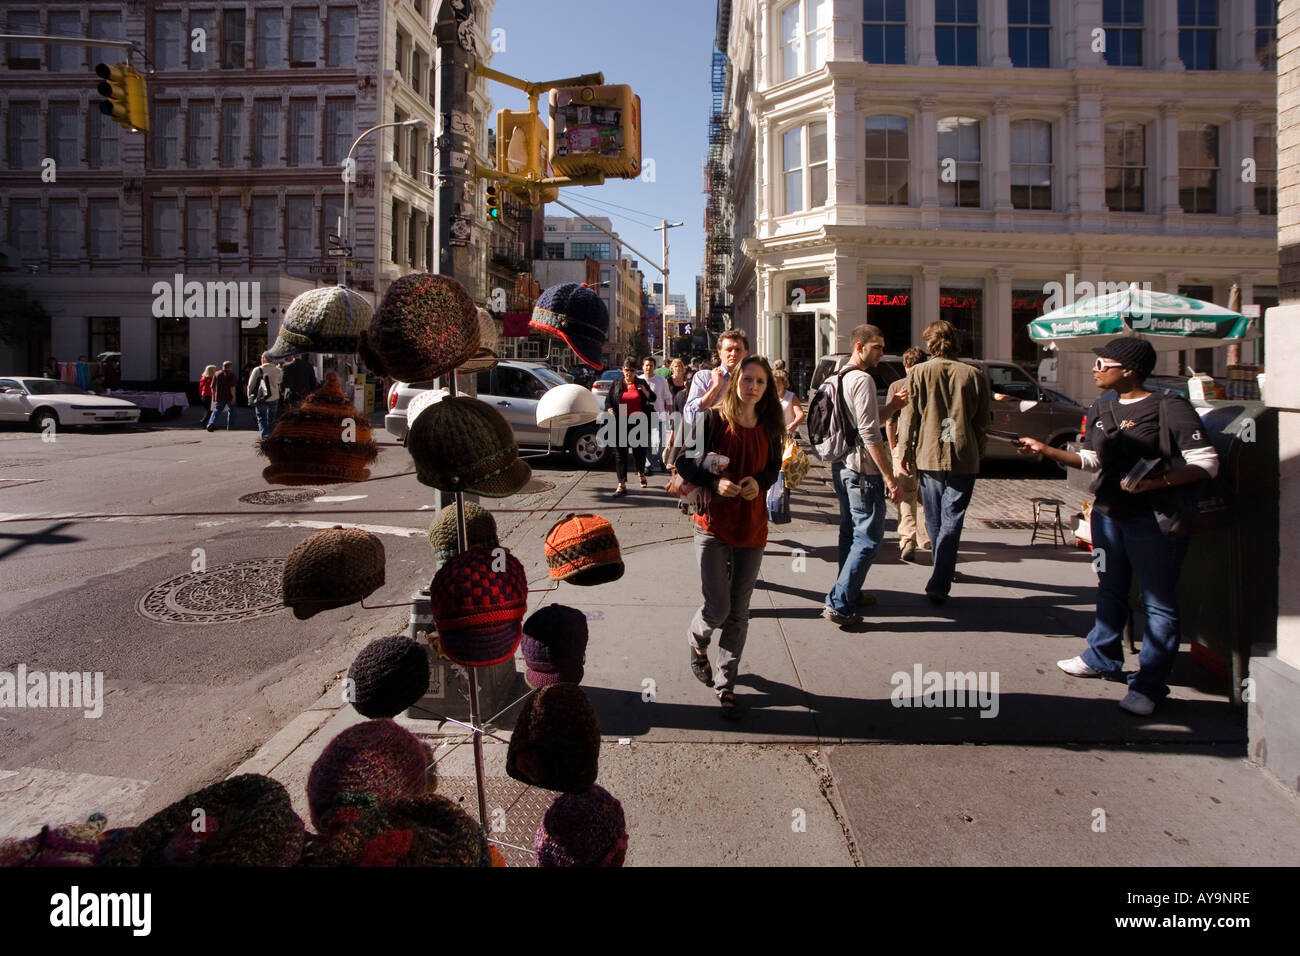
{"points": [[582, 549], [478, 601]]}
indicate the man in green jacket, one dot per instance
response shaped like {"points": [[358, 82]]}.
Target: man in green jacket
{"points": [[943, 430]]}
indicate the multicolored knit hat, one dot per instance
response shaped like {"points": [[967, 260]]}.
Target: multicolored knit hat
{"points": [[556, 742], [72, 844], [444, 537], [461, 444], [379, 757], [245, 821], [478, 600], [574, 313], [582, 549], [554, 646], [388, 676], [582, 829], [426, 326], [330, 319], [428, 830], [332, 568], [325, 439], [486, 357]]}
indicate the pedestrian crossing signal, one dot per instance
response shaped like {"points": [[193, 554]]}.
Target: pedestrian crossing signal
{"points": [[126, 98]]}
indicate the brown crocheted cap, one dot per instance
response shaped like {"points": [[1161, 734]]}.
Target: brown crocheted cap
{"points": [[332, 568], [556, 741], [426, 326], [325, 439]]}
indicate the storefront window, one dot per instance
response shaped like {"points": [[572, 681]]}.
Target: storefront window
{"points": [[889, 308], [1026, 305], [814, 289], [174, 350], [963, 306], [105, 335]]}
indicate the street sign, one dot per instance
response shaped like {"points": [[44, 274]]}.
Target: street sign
{"points": [[1250, 311], [334, 240], [340, 251]]}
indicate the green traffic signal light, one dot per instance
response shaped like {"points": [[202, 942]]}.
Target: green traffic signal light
{"points": [[493, 202]]}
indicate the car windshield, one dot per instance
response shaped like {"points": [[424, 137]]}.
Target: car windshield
{"points": [[549, 377], [49, 386]]}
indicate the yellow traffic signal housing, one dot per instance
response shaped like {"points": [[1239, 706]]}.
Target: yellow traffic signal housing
{"points": [[595, 129], [126, 98], [493, 201], [522, 143]]}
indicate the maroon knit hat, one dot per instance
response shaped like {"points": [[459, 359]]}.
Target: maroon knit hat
{"points": [[582, 829], [379, 757], [478, 600], [428, 830], [556, 741], [426, 326], [554, 646]]}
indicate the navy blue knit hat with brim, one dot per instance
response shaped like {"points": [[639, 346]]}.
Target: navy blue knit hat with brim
{"points": [[575, 313]]}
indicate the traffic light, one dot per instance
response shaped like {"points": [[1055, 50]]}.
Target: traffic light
{"points": [[493, 201], [595, 129], [126, 99]]}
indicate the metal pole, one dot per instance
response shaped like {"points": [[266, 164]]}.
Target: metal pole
{"points": [[349, 174], [663, 224]]}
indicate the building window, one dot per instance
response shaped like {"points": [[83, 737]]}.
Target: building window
{"points": [[228, 225], [1029, 24], [963, 306], [1198, 34], [302, 133], [65, 139], [957, 32], [198, 147], [103, 228], [174, 349], [589, 250], [302, 37], [805, 183], [198, 230], [331, 210], [805, 37], [417, 70], [1198, 168], [169, 45], [25, 227], [105, 26], [232, 133], [165, 130], [1266, 170], [164, 238], [1266, 34], [24, 147], [888, 163], [1031, 164], [1126, 167], [232, 39], [103, 140], [959, 161], [268, 39], [553, 250], [1123, 21], [341, 36], [205, 20], [299, 214], [262, 216], [24, 56], [338, 130], [62, 58], [403, 47], [884, 31], [105, 335], [64, 222], [267, 129]]}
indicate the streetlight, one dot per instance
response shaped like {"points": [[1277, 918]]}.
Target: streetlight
{"points": [[349, 173]]}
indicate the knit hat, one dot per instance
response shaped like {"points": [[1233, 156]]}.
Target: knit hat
{"points": [[325, 439], [462, 444], [426, 326], [556, 743], [582, 829], [582, 549], [378, 757], [574, 313], [72, 844], [388, 676], [1136, 354], [554, 646], [444, 535], [332, 568], [330, 319], [428, 830], [245, 821], [478, 599], [486, 356]]}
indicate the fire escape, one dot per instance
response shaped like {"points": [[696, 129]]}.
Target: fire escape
{"points": [[717, 209]]}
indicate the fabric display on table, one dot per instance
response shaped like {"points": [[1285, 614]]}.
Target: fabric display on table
{"points": [[425, 326], [575, 314], [478, 600], [582, 549], [388, 676], [556, 741], [333, 568], [554, 646], [486, 356], [83, 375], [428, 830], [480, 528], [245, 821], [582, 829], [68, 372], [325, 439], [327, 320], [68, 845], [379, 757], [461, 444]]}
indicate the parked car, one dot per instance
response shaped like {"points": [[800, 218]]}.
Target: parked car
{"points": [[513, 389], [41, 400], [888, 370], [583, 375], [600, 387]]}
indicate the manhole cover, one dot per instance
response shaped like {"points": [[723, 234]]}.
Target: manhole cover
{"points": [[535, 486], [231, 592], [287, 497], [514, 810]]}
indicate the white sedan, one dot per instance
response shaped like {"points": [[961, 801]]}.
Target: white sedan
{"points": [[40, 400]]}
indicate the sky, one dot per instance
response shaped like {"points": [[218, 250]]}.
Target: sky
{"points": [[663, 50]]}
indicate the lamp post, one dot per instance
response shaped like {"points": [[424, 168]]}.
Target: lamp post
{"points": [[349, 174]]}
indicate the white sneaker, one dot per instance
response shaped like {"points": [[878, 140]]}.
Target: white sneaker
{"points": [[1078, 667], [1136, 703]]}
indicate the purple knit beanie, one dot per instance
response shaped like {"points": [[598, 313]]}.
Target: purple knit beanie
{"points": [[379, 757], [582, 829]]}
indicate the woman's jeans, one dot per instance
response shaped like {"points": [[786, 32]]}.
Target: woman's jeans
{"points": [[1123, 547], [727, 578]]}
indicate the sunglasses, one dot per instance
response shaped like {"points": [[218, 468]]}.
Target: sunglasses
{"points": [[1102, 365]]}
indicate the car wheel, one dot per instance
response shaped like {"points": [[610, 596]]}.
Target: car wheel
{"points": [[42, 416], [583, 445]]}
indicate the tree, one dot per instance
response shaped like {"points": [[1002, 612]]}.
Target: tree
{"points": [[23, 320]]}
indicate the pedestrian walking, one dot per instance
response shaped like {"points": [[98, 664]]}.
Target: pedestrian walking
{"points": [[912, 533], [205, 393], [943, 440], [634, 398], [1124, 433], [679, 381], [264, 393], [746, 427], [298, 381], [790, 407], [862, 481], [223, 396], [663, 404], [709, 384]]}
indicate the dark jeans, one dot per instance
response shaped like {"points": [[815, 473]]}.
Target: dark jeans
{"points": [[862, 528], [946, 495], [216, 412], [620, 461]]}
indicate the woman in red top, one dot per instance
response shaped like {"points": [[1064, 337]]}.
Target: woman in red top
{"points": [[205, 391], [748, 427], [633, 430]]}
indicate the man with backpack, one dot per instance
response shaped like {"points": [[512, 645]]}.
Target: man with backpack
{"points": [[844, 424]]}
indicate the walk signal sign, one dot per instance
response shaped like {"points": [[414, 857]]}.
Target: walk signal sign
{"points": [[126, 98]]}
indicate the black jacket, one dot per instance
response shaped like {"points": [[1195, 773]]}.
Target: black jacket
{"points": [[691, 465], [614, 398]]}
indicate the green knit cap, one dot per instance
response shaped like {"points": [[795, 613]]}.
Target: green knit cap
{"points": [[480, 526]]}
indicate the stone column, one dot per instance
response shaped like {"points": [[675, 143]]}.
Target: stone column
{"points": [[925, 144], [1164, 158], [923, 31], [1087, 154], [1241, 146], [997, 313], [999, 163], [999, 56], [1162, 21], [925, 300]]}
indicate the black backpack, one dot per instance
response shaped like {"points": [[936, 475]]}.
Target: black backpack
{"points": [[829, 431]]}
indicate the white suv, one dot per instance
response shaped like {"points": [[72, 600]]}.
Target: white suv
{"points": [[513, 388]]}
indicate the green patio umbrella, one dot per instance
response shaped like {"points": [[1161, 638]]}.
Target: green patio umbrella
{"points": [[1169, 322]]}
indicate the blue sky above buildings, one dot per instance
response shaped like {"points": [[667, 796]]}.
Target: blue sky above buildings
{"points": [[662, 50]]}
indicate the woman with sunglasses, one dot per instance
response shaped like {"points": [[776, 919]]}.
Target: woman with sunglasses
{"points": [[1122, 434]]}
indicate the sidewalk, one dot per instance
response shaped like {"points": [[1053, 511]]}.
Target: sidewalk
{"points": [[839, 759]]}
